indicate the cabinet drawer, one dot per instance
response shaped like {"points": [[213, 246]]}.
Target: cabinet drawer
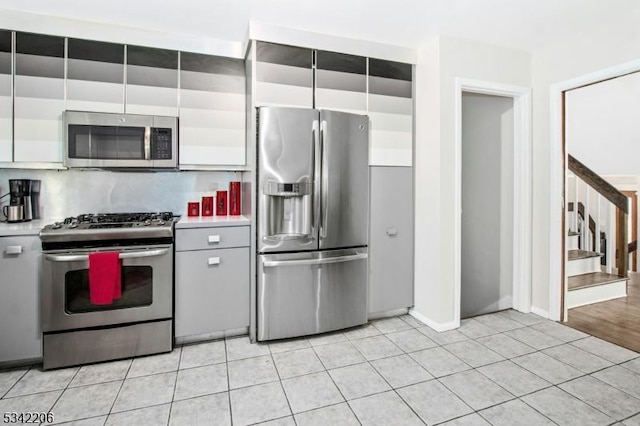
{"points": [[212, 291], [19, 244], [212, 238]]}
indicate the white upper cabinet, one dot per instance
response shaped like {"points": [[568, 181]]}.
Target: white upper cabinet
{"points": [[39, 98], [341, 82], [283, 76], [152, 81], [391, 113], [212, 111], [95, 76], [6, 96], [306, 78]]}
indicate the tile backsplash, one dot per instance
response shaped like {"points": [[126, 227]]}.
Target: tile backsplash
{"points": [[72, 192]]}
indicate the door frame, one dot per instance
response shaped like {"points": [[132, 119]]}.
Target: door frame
{"points": [[557, 161], [522, 187]]}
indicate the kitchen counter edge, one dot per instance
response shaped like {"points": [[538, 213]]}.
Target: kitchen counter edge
{"points": [[187, 222]]}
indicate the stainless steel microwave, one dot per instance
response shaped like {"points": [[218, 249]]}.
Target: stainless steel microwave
{"points": [[120, 140]]}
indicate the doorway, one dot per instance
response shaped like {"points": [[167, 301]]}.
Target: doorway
{"points": [[521, 190], [487, 204], [557, 181]]}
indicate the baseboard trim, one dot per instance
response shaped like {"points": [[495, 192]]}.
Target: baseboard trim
{"points": [[432, 324], [539, 312], [196, 338], [386, 314]]}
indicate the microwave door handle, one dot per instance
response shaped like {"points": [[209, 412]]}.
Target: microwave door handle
{"points": [[147, 143], [123, 255]]}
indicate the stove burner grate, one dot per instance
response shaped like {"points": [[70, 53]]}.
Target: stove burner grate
{"points": [[120, 217]]}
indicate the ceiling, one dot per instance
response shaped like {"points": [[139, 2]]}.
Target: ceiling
{"points": [[521, 24]]}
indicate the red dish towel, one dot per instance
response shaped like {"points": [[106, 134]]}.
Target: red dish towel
{"points": [[104, 277]]}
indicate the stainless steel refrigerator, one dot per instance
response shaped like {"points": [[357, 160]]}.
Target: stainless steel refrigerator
{"points": [[313, 221]]}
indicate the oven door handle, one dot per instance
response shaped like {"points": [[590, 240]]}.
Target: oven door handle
{"points": [[123, 255]]}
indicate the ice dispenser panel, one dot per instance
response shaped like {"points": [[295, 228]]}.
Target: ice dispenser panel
{"points": [[290, 210]]}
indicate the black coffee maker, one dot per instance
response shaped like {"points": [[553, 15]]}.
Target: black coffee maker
{"points": [[20, 193]]}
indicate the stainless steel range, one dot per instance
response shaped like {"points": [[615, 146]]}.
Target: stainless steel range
{"points": [[76, 329]]}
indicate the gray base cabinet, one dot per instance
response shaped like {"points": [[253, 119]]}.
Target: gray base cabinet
{"points": [[212, 285], [20, 334], [391, 239]]}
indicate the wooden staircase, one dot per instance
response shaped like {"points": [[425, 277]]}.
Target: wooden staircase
{"points": [[593, 205], [587, 283]]}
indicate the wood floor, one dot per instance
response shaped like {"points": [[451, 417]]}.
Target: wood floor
{"points": [[617, 321]]}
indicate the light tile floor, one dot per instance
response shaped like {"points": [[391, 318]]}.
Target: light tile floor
{"points": [[506, 368]]}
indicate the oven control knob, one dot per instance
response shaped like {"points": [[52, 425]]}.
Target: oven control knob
{"points": [[56, 225], [73, 225], [160, 223], [147, 222]]}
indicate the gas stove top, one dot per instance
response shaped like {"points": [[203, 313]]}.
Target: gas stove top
{"points": [[110, 226]]}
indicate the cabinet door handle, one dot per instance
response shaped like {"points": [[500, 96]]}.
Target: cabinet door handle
{"points": [[214, 261], [392, 232], [214, 238], [13, 250]]}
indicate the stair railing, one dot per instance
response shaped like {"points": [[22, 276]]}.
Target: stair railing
{"points": [[590, 232]]}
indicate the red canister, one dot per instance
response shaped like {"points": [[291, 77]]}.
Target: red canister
{"points": [[207, 206], [221, 203], [193, 209], [234, 198]]}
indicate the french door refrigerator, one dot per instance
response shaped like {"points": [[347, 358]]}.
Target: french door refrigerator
{"points": [[313, 221]]}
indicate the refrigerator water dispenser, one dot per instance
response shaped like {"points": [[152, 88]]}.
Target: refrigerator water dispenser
{"points": [[289, 211]]}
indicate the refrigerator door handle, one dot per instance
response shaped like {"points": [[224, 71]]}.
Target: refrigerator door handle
{"points": [[325, 184], [302, 262], [315, 159]]}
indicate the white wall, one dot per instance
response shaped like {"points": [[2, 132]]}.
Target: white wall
{"points": [[613, 43], [603, 125], [440, 62], [487, 204]]}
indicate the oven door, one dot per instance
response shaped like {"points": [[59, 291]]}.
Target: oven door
{"points": [[147, 288]]}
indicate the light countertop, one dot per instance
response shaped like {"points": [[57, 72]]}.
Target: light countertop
{"points": [[186, 222], [32, 227]]}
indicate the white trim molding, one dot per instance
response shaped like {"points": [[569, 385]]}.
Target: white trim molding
{"points": [[68, 27], [539, 312], [522, 187], [556, 179], [432, 324], [276, 34]]}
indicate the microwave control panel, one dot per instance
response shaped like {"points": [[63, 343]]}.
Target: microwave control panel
{"points": [[161, 144]]}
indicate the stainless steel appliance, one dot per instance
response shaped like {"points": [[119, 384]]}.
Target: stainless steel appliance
{"points": [[75, 331], [313, 198], [20, 195], [120, 140], [35, 199], [13, 213]]}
